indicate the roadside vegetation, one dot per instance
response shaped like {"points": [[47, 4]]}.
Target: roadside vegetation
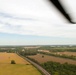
{"points": [[56, 68]]}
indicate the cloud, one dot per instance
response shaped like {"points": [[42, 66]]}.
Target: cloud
{"points": [[33, 18], [5, 15]]}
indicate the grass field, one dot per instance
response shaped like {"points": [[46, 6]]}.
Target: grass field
{"points": [[46, 58], [22, 67]]}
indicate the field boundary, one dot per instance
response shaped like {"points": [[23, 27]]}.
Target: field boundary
{"points": [[66, 57], [39, 68]]}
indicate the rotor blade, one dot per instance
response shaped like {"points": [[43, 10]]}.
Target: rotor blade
{"points": [[57, 4]]}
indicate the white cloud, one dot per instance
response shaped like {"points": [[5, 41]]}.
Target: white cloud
{"points": [[34, 17]]}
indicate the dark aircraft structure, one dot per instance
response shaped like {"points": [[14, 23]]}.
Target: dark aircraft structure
{"points": [[58, 5]]}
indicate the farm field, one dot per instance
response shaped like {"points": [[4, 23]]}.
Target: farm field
{"points": [[46, 58], [65, 53], [30, 47], [7, 57], [60, 53], [22, 67]]}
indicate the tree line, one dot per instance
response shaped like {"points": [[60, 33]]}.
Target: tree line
{"points": [[56, 68]]}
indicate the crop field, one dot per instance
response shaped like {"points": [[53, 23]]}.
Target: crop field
{"points": [[46, 58], [7, 57], [22, 67], [66, 53], [30, 47]]}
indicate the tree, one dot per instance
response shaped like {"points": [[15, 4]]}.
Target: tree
{"points": [[13, 62], [42, 56]]}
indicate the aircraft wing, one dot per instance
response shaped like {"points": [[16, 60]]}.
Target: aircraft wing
{"points": [[58, 5]]}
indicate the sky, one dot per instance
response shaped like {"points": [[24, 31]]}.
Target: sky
{"points": [[36, 22]]}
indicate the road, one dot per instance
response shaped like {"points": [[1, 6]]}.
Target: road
{"points": [[37, 66]]}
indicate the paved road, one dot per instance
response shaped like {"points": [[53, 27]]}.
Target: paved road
{"points": [[36, 65], [39, 67]]}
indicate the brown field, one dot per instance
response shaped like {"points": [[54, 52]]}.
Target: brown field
{"points": [[22, 67], [7, 57], [67, 53], [46, 58], [60, 53]]}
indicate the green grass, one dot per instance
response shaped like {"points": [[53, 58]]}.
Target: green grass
{"points": [[18, 69]]}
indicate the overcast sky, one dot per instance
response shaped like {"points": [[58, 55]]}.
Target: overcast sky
{"points": [[35, 22]]}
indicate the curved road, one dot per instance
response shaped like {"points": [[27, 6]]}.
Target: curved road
{"points": [[36, 65]]}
